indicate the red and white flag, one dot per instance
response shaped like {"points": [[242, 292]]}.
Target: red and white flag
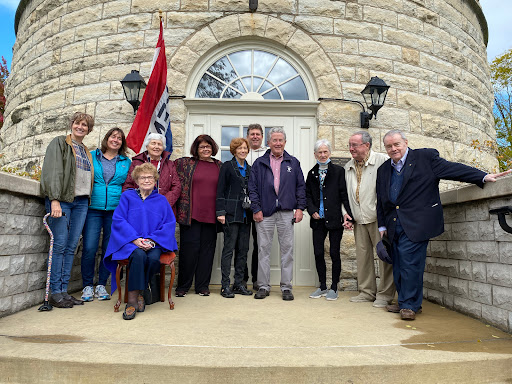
{"points": [[153, 113]]}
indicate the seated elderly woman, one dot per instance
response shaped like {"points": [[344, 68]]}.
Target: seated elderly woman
{"points": [[142, 228]]}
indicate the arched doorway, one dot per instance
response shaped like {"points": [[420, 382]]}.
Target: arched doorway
{"points": [[257, 82]]}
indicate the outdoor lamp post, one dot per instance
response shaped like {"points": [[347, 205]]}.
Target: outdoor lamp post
{"points": [[133, 86], [374, 95]]}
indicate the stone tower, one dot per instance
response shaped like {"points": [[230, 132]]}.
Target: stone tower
{"points": [[229, 67], [70, 55]]}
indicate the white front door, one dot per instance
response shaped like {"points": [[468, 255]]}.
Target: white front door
{"points": [[300, 138]]}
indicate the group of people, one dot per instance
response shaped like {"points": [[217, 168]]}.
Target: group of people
{"points": [[136, 204]]}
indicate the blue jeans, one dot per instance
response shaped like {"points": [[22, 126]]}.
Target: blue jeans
{"points": [[96, 221], [66, 233]]}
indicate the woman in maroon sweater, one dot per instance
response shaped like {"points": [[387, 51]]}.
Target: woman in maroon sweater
{"points": [[196, 215], [168, 182]]}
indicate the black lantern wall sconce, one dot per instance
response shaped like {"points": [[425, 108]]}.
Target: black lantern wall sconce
{"points": [[374, 95], [134, 87], [253, 5]]}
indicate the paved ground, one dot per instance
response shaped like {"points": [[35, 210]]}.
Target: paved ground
{"points": [[217, 340]]}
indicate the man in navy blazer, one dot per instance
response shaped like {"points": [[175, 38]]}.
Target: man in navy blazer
{"points": [[409, 211]]}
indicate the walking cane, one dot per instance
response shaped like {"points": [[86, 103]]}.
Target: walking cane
{"points": [[46, 305]]}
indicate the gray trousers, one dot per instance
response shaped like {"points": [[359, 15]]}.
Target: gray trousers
{"points": [[283, 221]]}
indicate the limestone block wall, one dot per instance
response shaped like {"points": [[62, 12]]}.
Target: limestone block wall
{"points": [[24, 246], [70, 55], [469, 267], [348, 278]]}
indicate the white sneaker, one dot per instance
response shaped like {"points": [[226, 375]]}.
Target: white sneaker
{"points": [[362, 298], [101, 293], [88, 293], [378, 303]]}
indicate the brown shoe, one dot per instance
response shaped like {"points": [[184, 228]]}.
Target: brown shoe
{"points": [[393, 308], [407, 314]]}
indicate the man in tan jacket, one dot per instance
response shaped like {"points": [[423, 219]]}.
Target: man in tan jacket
{"points": [[361, 178]]}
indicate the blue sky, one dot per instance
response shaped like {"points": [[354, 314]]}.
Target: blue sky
{"points": [[497, 13], [7, 11]]}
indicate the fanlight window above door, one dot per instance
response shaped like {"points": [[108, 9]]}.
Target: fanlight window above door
{"points": [[252, 75]]}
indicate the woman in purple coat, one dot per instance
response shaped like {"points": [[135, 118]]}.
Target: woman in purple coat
{"points": [[142, 228]]}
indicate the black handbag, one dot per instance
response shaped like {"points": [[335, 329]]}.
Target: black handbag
{"points": [[152, 293]]}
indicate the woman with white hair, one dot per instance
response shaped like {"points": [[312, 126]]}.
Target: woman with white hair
{"points": [[326, 191], [168, 183]]}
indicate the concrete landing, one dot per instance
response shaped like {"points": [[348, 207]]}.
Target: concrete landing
{"points": [[218, 340]]}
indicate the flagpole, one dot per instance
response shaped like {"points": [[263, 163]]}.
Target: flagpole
{"points": [[153, 113]]}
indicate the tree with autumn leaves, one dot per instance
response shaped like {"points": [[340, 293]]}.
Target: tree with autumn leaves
{"points": [[4, 73], [501, 79]]}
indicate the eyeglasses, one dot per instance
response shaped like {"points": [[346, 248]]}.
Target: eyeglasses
{"points": [[355, 145], [148, 178], [203, 147]]}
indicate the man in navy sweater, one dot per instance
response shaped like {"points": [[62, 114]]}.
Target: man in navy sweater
{"points": [[409, 211], [276, 189]]}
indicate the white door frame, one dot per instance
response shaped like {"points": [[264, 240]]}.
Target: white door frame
{"points": [[202, 118]]}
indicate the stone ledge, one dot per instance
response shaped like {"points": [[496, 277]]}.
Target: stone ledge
{"points": [[19, 184], [500, 188]]}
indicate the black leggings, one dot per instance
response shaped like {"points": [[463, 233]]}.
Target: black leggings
{"points": [[197, 249], [335, 235]]}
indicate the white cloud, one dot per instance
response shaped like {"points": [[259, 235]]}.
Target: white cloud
{"points": [[10, 4]]}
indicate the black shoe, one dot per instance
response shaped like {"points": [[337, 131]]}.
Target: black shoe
{"points": [[287, 295], [61, 303], [241, 290], [261, 294], [227, 293], [74, 300]]}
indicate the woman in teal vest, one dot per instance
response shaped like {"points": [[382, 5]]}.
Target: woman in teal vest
{"points": [[110, 170]]}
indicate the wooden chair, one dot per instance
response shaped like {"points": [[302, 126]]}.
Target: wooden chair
{"points": [[166, 258]]}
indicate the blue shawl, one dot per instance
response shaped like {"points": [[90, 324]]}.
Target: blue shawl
{"points": [[133, 218]]}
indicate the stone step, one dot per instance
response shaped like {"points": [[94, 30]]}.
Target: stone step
{"points": [[218, 340]]}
